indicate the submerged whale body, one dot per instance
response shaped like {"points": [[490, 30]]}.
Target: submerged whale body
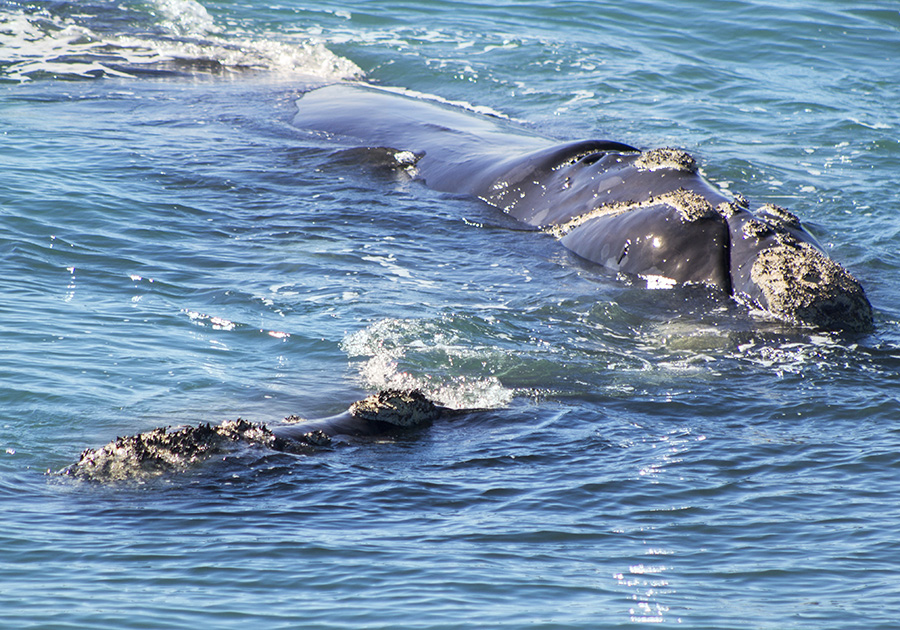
{"points": [[645, 213], [166, 450]]}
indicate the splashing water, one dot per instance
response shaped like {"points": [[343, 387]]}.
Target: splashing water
{"points": [[171, 37], [413, 354]]}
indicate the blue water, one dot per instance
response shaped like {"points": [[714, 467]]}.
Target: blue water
{"points": [[175, 251]]}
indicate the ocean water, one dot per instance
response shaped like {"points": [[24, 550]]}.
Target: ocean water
{"points": [[173, 250]]}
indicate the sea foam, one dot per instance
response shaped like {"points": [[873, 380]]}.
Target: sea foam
{"points": [[170, 37]]}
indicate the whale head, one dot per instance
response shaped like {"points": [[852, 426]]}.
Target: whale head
{"points": [[779, 267], [801, 284]]}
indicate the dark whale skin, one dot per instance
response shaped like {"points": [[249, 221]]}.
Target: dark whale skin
{"points": [[645, 213]]}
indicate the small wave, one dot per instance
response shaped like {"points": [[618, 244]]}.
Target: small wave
{"points": [[220, 323], [478, 109], [185, 17], [414, 354], [819, 352], [170, 37]]}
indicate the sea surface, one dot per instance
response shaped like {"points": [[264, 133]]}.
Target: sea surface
{"points": [[174, 251]]}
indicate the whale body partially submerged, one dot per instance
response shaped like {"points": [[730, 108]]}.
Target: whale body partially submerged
{"points": [[645, 213], [167, 450]]}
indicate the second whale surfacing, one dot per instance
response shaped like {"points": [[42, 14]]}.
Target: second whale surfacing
{"points": [[167, 450], [645, 213]]}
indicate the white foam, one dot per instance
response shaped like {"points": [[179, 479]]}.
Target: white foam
{"points": [[42, 44], [389, 345], [185, 17], [478, 109]]}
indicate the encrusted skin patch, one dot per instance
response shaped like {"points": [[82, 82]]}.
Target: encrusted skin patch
{"points": [[802, 285], [729, 209], [779, 216], [690, 207], [756, 229], [398, 407], [666, 157], [163, 450]]}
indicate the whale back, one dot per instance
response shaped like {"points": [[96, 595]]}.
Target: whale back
{"points": [[645, 213]]}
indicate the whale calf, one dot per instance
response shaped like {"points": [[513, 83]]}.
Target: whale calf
{"points": [[166, 450], [644, 213]]}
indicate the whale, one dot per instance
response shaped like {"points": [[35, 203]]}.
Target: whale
{"points": [[646, 214], [167, 450]]}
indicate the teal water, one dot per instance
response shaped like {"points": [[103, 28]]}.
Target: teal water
{"points": [[173, 250]]}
